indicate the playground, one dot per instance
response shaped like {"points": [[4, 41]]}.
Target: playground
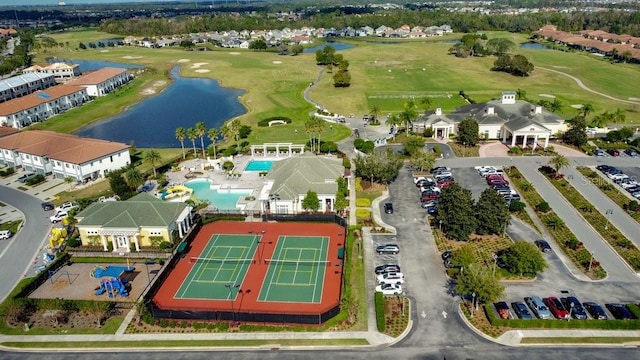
{"points": [[75, 282], [256, 270]]}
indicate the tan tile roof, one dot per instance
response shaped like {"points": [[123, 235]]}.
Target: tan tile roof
{"points": [[98, 76], [7, 130], [64, 147], [32, 100]]}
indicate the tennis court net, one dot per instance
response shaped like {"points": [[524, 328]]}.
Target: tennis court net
{"points": [[194, 259], [298, 263]]}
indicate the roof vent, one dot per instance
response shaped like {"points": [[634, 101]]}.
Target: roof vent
{"points": [[439, 111], [490, 110], [538, 110]]}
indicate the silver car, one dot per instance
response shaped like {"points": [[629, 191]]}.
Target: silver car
{"points": [[538, 307]]}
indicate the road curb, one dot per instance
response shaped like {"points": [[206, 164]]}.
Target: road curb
{"points": [[407, 330]]}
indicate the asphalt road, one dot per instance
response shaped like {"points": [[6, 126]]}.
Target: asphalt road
{"points": [[17, 256]]}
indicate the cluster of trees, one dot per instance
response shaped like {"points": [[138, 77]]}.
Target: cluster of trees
{"points": [[409, 113], [329, 58], [480, 45], [314, 127], [517, 65], [459, 216], [340, 17], [379, 166], [21, 56], [232, 129], [468, 132], [342, 195], [284, 48], [126, 181]]}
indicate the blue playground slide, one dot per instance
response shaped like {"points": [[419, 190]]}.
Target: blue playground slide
{"points": [[112, 287], [110, 271]]}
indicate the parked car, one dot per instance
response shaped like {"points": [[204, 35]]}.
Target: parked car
{"points": [[557, 309], [483, 170], [432, 210], [613, 152], [595, 310], [619, 311], [439, 169], [391, 278], [444, 184], [617, 176], [521, 310], [602, 167], [543, 245], [494, 182], [388, 249], [446, 255], [538, 307], [574, 306], [46, 206], [503, 309], [58, 216], [24, 177], [442, 175], [388, 208], [494, 175], [428, 204], [387, 268], [428, 197], [598, 152], [65, 207], [631, 152], [5, 234], [389, 289]]}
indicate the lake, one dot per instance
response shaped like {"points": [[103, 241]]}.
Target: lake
{"points": [[152, 122], [533, 46], [336, 45], [93, 65]]}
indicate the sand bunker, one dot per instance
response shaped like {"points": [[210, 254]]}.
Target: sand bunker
{"points": [[159, 83], [148, 91], [234, 53], [277, 62], [203, 70], [103, 51], [184, 60], [577, 106], [131, 57], [547, 96], [197, 65]]}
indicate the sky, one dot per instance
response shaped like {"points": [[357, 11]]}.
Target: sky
{"points": [[68, 2]]}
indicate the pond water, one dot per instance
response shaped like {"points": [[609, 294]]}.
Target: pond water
{"points": [[334, 44], [93, 65], [152, 123], [534, 46]]}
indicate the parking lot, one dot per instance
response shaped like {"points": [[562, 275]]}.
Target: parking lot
{"points": [[468, 178]]}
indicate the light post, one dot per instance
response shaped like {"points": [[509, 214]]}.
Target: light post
{"points": [[440, 223], [590, 262], [473, 303], [607, 213], [230, 287], [261, 251], [146, 264], [570, 311]]}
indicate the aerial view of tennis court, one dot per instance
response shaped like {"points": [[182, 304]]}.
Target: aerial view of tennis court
{"points": [[255, 271]]}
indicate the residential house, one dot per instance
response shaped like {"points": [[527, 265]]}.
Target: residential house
{"points": [[289, 180], [21, 85], [41, 105], [62, 72], [380, 30], [141, 221], [104, 81], [505, 119], [63, 155]]}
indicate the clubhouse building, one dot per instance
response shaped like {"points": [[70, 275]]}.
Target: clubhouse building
{"points": [[514, 122]]}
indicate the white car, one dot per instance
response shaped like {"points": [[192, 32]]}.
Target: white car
{"points": [[617, 176], [389, 289], [391, 278], [5, 234], [58, 216], [443, 174], [493, 172], [65, 207]]}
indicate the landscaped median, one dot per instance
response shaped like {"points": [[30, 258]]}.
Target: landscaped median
{"points": [[611, 191], [578, 254], [625, 248], [392, 314]]}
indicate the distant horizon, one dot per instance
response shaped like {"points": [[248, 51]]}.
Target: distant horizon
{"points": [[27, 3]]}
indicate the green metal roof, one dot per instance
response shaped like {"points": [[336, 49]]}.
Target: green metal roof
{"points": [[296, 175], [141, 210]]}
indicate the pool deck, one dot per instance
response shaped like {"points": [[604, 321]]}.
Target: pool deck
{"points": [[249, 180]]}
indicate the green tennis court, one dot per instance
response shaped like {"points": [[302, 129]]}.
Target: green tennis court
{"points": [[296, 270], [224, 262]]}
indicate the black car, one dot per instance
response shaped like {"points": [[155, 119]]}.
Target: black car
{"points": [[543, 245], [387, 268], [603, 167], [439, 169], [620, 312], [631, 152], [46, 206], [595, 310], [388, 208], [446, 255], [574, 306], [521, 310]]}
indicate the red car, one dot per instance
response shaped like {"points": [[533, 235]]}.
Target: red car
{"points": [[495, 176], [497, 182], [557, 309], [429, 197], [444, 184]]}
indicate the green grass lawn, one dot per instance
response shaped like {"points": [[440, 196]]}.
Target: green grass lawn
{"points": [[386, 75]]}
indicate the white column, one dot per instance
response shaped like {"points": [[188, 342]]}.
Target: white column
{"points": [[504, 135], [264, 150], [114, 242], [513, 139], [252, 151], [524, 141], [546, 141], [136, 242], [180, 229], [104, 242], [289, 150], [535, 141]]}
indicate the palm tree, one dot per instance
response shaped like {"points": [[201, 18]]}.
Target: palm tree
{"points": [[134, 177], [559, 161], [319, 127], [408, 114], [180, 135], [521, 94], [234, 127], [201, 130], [619, 116], [152, 156], [426, 103], [309, 129], [556, 105], [586, 110], [192, 135], [375, 113], [212, 134], [393, 120]]}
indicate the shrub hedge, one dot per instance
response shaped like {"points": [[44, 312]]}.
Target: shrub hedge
{"points": [[363, 213], [380, 320], [265, 122], [363, 202]]}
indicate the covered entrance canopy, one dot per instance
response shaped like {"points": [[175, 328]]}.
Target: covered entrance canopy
{"points": [[527, 129]]}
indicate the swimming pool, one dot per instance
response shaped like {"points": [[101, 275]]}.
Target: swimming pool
{"points": [[259, 165], [226, 199]]}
